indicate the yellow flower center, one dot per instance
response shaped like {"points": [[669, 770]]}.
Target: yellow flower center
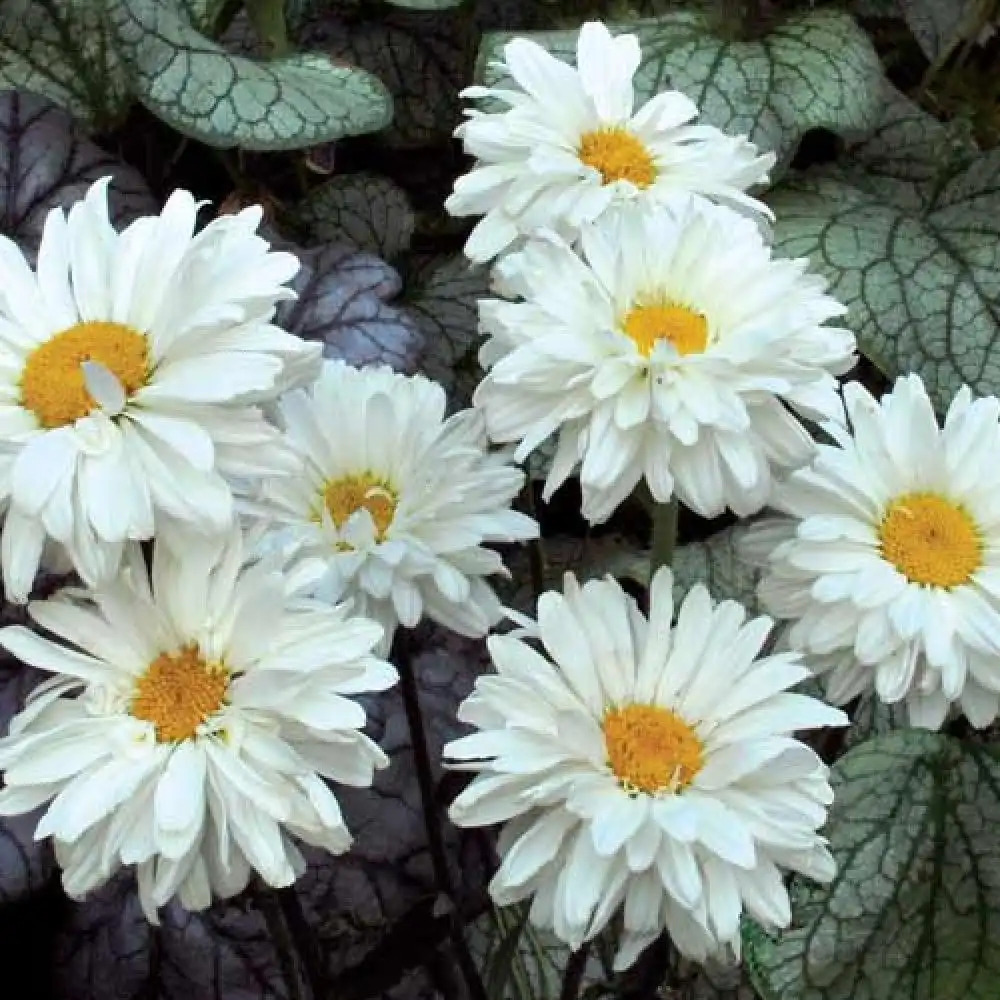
{"points": [[342, 497], [651, 749], [686, 329], [930, 540], [618, 155], [52, 384], [178, 692]]}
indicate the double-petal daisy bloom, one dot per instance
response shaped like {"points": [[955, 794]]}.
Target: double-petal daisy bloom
{"points": [[192, 717], [572, 146], [395, 501], [123, 360], [888, 562], [667, 351], [645, 766]]}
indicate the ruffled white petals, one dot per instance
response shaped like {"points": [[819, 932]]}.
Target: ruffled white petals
{"points": [[712, 425], [418, 548], [915, 633], [203, 303], [584, 840], [529, 173], [197, 802]]}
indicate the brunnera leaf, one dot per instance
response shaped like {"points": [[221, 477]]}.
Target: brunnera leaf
{"points": [[816, 69], [913, 912], [47, 161], [226, 100], [65, 52], [366, 210], [345, 301], [423, 59], [908, 233], [442, 293]]}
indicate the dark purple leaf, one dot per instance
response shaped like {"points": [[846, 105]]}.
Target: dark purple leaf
{"points": [[443, 294], [344, 301], [107, 949], [25, 866], [368, 211], [46, 161]]}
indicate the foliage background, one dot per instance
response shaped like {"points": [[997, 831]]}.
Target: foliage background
{"points": [[337, 116]]}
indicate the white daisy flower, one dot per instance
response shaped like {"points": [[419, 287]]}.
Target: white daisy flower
{"points": [[667, 352], [123, 360], [888, 563], [395, 501], [571, 146], [647, 766], [189, 727]]}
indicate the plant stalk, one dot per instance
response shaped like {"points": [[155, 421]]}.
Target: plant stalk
{"points": [[661, 552], [402, 657]]}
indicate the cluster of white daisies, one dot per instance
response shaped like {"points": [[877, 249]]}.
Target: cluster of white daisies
{"points": [[200, 701]]}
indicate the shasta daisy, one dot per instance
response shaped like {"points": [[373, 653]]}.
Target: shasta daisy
{"points": [[887, 565], [572, 147], [674, 348], [123, 361], [645, 767], [191, 719], [395, 501]]}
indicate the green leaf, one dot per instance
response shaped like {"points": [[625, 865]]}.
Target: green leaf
{"points": [[914, 911], [872, 717], [369, 211], [422, 58], [64, 51], [442, 293], [203, 14], [224, 100], [815, 70], [716, 563], [940, 25], [909, 236]]}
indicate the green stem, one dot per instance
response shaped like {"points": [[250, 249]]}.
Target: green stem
{"points": [[664, 536]]}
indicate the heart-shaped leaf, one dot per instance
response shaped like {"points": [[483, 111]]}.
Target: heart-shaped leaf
{"points": [[345, 301], [815, 70], [423, 58], [442, 293], [911, 244], [64, 51], [913, 911], [226, 100], [47, 161], [369, 211]]}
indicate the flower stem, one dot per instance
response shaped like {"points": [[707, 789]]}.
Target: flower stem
{"points": [[664, 536], [402, 657], [277, 929], [576, 965]]}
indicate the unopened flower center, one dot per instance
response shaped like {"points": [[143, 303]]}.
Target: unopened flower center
{"points": [[651, 749], [178, 692], [348, 494], [686, 329], [931, 540], [618, 155], [52, 384]]}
